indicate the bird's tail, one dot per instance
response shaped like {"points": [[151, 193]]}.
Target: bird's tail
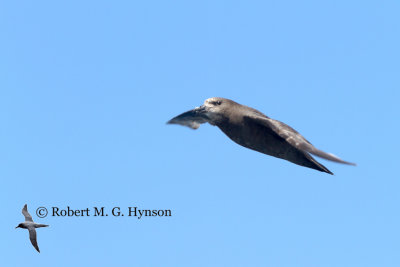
{"points": [[40, 225]]}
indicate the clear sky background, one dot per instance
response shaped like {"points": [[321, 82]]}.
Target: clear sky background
{"points": [[86, 90]]}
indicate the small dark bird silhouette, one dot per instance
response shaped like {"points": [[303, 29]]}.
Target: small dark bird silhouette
{"points": [[30, 225], [252, 129]]}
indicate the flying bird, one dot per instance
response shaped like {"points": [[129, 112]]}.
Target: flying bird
{"points": [[252, 129], [30, 225]]}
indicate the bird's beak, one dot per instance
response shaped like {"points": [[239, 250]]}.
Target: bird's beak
{"points": [[16, 227], [200, 110]]}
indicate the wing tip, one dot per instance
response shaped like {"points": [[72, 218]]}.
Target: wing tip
{"points": [[325, 169], [192, 125]]}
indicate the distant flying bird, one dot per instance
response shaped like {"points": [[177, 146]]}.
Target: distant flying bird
{"points": [[252, 129], [30, 225]]}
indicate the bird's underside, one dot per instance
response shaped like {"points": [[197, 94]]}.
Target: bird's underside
{"points": [[269, 143], [252, 129]]}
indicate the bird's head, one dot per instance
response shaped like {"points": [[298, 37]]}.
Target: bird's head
{"points": [[19, 226], [212, 111], [214, 107]]}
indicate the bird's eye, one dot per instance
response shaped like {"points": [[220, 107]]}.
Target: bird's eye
{"points": [[215, 103]]}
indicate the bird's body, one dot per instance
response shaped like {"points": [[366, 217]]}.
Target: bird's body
{"points": [[254, 130], [31, 226]]}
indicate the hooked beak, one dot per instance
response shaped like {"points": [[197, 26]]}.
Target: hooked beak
{"points": [[200, 110]]}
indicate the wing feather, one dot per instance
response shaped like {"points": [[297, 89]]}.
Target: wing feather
{"points": [[26, 214], [32, 237], [189, 118], [294, 138]]}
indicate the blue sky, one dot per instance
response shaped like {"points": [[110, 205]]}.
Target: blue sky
{"points": [[86, 89]]}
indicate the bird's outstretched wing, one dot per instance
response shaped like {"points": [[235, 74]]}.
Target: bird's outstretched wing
{"points": [[294, 138], [189, 118], [32, 237], [26, 214]]}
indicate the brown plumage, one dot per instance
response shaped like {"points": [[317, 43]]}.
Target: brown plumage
{"points": [[252, 129]]}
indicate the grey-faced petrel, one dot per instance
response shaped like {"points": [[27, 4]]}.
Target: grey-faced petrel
{"points": [[252, 129], [30, 225]]}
